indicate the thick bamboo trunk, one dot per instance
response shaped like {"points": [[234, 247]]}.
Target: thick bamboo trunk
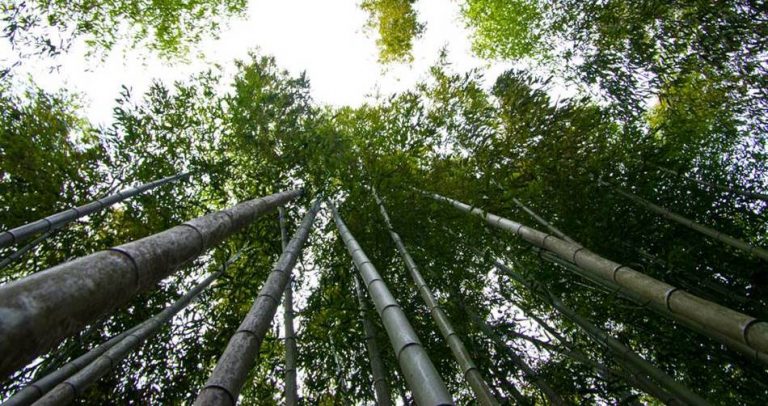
{"points": [[291, 390], [745, 193], [66, 391], [39, 311], [468, 368], [685, 395], [708, 231], [715, 320], [380, 385], [552, 229], [62, 218], [425, 383], [226, 380]]}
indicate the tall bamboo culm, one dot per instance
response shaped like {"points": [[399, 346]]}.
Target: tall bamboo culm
{"points": [[62, 218], [468, 368], [682, 393], [714, 319], [708, 231], [227, 379], [39, 311], [291, 387], [425, 383], [380, 385], [70, 388]]}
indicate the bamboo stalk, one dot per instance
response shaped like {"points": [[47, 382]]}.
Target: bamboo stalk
{"points": [[715, 320], [62, 218], [38, 311], [70, 388], [227, 379], [738, 191], [468, 368], [552, 229], [380, 385], [420, 374], [708, 231], [291, 390]]}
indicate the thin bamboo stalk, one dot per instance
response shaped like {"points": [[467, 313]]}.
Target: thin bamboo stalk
{"points": [[380, 385], [420, 374], [227, 379], [715, 319], [68, 390], [552, 229], [468, 368], [38, 311], [60, 219], [291, 387], [708, 231], [738, 191]]}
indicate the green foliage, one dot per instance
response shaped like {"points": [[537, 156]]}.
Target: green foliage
{"points": [[397, 26], [502, 29]]}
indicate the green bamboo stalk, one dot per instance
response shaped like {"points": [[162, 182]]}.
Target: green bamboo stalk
{"points": [[291, 386], [468, 368], [716, 320], [419, 372], [738, 191], [380, 385], [40, 310], [708, 231], [227, 379], [62, 218]]}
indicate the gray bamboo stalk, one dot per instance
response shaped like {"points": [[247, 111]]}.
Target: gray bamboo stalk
{"points": [[227, 379], [26, 248], [380, 385], [708, 231], [520, 363], [60, 219], [38, 311], [612, 287], [66, 391], [468, 368], [552, 229], [738, 191], [715, 320], [621, 351], [291, 391], [40, 387], [425, 383]]}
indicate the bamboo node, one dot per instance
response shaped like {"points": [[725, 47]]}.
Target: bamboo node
{"points": [[745, 330], [667, 295]]}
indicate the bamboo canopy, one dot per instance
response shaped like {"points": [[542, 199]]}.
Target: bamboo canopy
{"points": [[715, 319], [227, 379], [39, 311], [62, 218], [420, 374], [468, 368]]}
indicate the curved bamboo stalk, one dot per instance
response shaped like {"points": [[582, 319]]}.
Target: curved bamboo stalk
{"points": [[552, 229], [715, 319], [738, 191], [708, 231], [38, 311], [226, 380], [468, 368], [380, 385], [420, 374], [291, 391], [66, 391], [685, 395], [60, 219]]}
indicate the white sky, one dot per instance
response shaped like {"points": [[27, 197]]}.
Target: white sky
{"points": [[323, 38]]}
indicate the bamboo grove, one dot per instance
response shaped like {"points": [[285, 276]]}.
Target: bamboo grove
{"points": [[446, 245]]}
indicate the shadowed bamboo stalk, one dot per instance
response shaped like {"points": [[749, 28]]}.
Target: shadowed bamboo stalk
{"points": [[685, 395], [552, 229], [291, 391], [380, 385], [738, 191], [227, 379], [40, 310], [425, 383], [66, 391], [62, 218], [710, 232], [714, 319], [468, 368]]}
